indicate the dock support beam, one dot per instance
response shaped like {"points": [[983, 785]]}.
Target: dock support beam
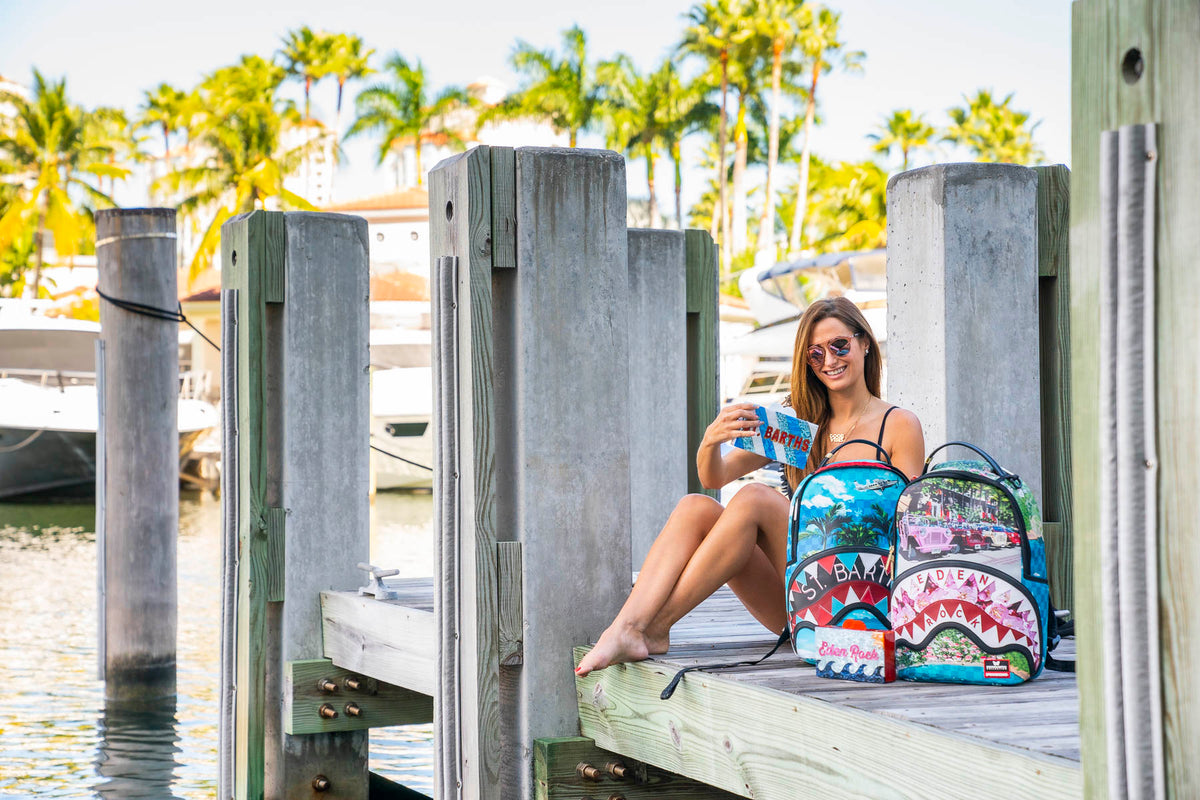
{"points": [[963, 308], [534, 398], [137, 486], [303, 485]]}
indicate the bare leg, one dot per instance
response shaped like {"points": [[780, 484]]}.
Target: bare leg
{"points": [[624, 640], [746, 548], [700, 548]]}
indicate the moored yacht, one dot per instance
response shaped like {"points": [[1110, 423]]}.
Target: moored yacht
{"points": [[49, 407]]}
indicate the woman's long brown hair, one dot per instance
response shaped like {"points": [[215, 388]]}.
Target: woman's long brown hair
{"points": [[809, 397]]}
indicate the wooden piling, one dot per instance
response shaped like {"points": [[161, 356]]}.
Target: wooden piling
{"points": [[138, 494], [1136, 62], [303, 479], [535, 393], [1054, 324], [703, 354]]}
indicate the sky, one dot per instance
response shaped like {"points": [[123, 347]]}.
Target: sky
{"points": [[921, 54]]}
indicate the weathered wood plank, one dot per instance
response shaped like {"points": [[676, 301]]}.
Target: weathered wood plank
{"points": [[386, 641], [504, 207], [478, 590], [248, 243], [725, 734], [276, 520], [1094, 55], [557, 775], [1054, 207], [316, 689], [460, 197], [702, 349], [510, 611]]}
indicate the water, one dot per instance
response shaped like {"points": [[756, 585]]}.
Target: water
{"points": [[58, 736]]}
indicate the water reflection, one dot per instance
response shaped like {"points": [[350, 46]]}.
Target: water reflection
{"points": [[138, 746], [59, 737]]}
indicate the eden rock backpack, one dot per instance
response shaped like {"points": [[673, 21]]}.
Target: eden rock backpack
{"points": [[837, 549], [970, 601]]}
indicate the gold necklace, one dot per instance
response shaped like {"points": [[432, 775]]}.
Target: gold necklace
{"points": [[841, 437]]}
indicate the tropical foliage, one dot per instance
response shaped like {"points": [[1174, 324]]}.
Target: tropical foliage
{"points": [[242, 130], [993, 131], [743, 80], [559, 89], [401, 110], [905, 131], [52, 154]]}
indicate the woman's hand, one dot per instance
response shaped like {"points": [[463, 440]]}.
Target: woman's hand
{"points": [[714, 469], [733, 421]]}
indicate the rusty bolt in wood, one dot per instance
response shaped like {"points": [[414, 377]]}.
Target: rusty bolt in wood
{"points": [[352, 683], [587, 771], [616, 797], [326, 685], [321, 783], [353, 710], [618, 770], [327, 711]]}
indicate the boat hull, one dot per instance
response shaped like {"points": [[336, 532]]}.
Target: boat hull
{"points": [[53, 464]]}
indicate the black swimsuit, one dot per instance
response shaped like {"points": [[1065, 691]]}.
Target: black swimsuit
{"points": [[786, 487]]}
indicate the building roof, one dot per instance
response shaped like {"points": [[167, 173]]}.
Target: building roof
{"points": [[399, 286], [403, 199]]}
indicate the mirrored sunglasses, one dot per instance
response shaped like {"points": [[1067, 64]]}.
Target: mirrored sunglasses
{"points": [[840, 347]]}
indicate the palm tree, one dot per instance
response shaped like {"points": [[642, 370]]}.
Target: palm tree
{"points": [[823, 50], [402, 110], [163, 108], [904, 131], [634, 107], [878, 518], [746, 74], [993, 131], [778, 21], [713, 28], [109, 128], [684, 111], [247, 162], [307, 55], [829, 523], [848, 208], [562, 90], [347, 62], [48, 147]]}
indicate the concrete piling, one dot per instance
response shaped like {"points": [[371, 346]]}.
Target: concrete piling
{"points": [[963, 350], [138, 465]]}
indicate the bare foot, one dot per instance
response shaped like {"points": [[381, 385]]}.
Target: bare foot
{"points": [[618, 644]]}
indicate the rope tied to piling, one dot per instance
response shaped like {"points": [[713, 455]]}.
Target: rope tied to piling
{"points": [[155, 312]]}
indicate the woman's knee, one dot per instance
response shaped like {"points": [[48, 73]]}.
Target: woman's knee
{"points": [[698, 508], [755, 500]]}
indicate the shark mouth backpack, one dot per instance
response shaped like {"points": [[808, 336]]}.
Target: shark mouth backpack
{"points": [[970, 601], [837, 549]]}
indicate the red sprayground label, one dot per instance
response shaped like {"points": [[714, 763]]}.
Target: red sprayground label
{"points": [[996, 668]]}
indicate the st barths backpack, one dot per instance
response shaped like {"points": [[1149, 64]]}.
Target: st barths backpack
{"points": [[970, 601], [837, 548]]}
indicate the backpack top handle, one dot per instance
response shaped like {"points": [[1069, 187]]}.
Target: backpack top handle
{"points": [[879, 448], [1002, 473]]}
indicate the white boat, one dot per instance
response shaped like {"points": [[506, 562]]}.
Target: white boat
{"points": [[756, 365], [49, 408], [401, 405]]}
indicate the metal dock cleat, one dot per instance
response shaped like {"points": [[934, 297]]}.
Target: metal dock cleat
{"points": [[376, 586]]}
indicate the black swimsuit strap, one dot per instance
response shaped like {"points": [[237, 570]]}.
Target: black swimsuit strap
{"points": [[883, 424]]}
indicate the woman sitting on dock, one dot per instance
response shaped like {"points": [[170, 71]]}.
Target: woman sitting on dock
{"points": [[836, 371]]}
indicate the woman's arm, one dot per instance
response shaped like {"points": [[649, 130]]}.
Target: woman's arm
{"points": [[905, 442], [714, 469]]}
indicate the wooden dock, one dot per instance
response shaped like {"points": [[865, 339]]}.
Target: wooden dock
{"points": [[770, 731]]}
